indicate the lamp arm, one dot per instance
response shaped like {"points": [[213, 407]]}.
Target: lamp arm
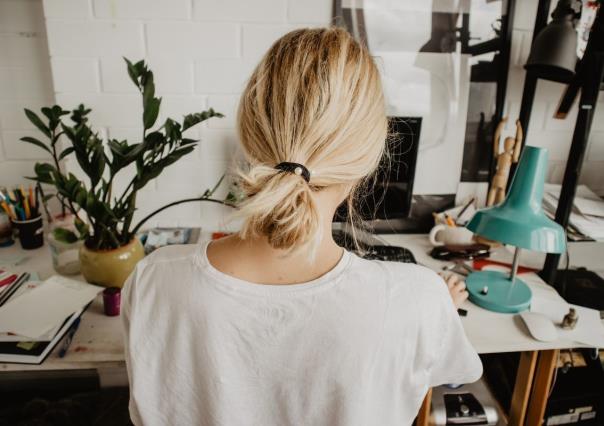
{"points": [[515, 262]]}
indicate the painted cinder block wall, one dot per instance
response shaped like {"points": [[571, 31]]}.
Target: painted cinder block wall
{"points": [[25, 80], [201, 52]]}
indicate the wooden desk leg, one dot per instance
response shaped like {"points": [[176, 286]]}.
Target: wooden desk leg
{"points": [[424, 412], [522, 387], [546, 365]]}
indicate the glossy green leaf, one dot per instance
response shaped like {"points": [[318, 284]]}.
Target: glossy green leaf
{"points": [[44, 173], [82, 228], [151, 112], [66, 152], [191, 120], [36, 121], [65, 235], [132, 72], [36, 142]]}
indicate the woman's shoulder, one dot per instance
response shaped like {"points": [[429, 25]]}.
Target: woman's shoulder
{"points": [[168, 261], [171, 253], [405, 279], [162, 271]]}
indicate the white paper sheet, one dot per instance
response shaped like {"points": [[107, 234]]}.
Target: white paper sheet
{"points": [[589, 206], [589, 329], [41, 309], [27, 287], [591, 226], [549, 303]]}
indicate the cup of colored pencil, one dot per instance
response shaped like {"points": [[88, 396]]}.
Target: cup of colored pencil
{"points": [[23, 207]]}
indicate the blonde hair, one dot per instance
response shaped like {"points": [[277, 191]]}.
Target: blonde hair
{"points": [[316, 99]]}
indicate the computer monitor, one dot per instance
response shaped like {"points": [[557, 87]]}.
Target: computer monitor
{"points": [[390, 197]]}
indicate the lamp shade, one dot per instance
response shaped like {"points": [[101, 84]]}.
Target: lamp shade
{"points": [[553, 54], [519, 220]]}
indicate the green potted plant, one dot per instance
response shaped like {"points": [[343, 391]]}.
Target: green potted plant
{"points": [[104, 219]]}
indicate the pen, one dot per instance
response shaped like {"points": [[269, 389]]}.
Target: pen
{"points": [[69, 337], [469, 203], [20, 213]]}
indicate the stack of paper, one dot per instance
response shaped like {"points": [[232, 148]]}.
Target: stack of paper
{"points": [[587, 216], [32, 321], [39, 310]]}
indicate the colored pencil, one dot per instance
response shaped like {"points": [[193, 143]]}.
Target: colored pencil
{"points": [[26, 207], [13, 288], [7, 210], [32, 203], [20, 204]]}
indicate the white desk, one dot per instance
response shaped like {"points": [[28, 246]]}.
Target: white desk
{"points": [[98, 342], [492, 332]]}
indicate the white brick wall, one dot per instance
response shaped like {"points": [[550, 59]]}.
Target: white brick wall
{"points": [[201, 51], [25, 81], [544, 130]]}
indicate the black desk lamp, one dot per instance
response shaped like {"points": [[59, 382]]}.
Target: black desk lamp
{"points": [[553, 53], [553, 57]]}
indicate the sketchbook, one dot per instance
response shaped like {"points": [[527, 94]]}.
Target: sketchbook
{"points": [[35, 352], [39, 310]]}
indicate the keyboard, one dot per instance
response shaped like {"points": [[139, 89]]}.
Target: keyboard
{"points": [[374, 251], [390, 253]]}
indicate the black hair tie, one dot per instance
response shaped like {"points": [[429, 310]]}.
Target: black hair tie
{"points": [[295, 168]]}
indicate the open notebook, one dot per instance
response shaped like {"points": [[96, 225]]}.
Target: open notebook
{"points": [[30, 326]]}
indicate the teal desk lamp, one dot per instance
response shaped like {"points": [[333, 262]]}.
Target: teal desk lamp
{"points": [[518, 221]]}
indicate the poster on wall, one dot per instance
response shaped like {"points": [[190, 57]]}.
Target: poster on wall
{"points": [[430, 70]]}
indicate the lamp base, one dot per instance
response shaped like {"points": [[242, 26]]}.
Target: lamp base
{"points": [[501, 296]]}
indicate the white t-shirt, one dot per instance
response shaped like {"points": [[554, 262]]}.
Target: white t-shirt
{"points": [[360, 345]]}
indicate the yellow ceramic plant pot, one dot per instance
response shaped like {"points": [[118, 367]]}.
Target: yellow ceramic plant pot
{"points": [[110, 268]]}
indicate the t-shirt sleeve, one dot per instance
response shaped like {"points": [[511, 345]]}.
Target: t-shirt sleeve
{"points": [[454, 360], [127, 302]]}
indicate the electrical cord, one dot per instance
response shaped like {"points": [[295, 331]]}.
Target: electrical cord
{"points": [[551, 387], [566, 269], [563, 290]]}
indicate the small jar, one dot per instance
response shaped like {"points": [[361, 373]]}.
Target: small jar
{"points": [[112, 298], [65, 256], [6, 230]]}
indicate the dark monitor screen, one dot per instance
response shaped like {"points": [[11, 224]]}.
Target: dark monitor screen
{"points": [[390, 197]]}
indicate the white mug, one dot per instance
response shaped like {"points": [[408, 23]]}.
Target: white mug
{"points": [[444, 234]]}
